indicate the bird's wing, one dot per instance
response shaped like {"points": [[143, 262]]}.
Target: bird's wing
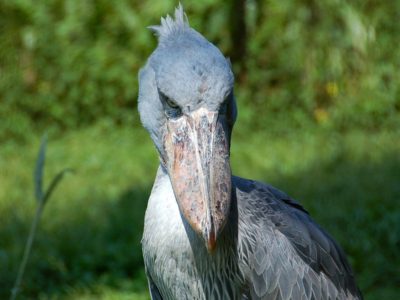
{"points": [[283, 253]]}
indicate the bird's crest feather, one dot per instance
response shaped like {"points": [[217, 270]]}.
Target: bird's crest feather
{"points": [[169, 25]]}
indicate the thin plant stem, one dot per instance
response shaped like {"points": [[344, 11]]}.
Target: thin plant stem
{"points": [[42, 199], [28, 248]]}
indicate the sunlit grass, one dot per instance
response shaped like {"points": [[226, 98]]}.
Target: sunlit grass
{"points": [[88, 244]]}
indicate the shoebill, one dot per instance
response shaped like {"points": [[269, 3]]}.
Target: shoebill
{"points": [[209, 234]]}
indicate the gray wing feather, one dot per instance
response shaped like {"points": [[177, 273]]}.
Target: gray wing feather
{"points": [[284, 254], [154, 293]]}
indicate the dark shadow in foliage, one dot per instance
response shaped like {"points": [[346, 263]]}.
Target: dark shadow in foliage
{"points": [[100, 245]]}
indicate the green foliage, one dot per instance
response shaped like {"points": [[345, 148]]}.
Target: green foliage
{"points": [[325, 60], [64, 64], [76, 61]]}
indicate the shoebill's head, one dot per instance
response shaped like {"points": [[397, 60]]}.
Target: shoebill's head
{"points": [[186, 103]]}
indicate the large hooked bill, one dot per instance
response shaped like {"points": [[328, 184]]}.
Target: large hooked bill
{"points": [[197, 150]]}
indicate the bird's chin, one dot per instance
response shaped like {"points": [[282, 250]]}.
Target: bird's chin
{"points": [[197, 150]]}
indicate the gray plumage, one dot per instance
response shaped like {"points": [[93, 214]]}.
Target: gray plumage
{"points": [[269, 247]]}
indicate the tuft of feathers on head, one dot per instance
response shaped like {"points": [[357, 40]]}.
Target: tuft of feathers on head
{"points": [[169, 26]]}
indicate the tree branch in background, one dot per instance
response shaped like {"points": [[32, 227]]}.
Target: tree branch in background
{"points": [[238, 35]]}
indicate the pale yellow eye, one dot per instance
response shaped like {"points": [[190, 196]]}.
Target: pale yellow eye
{"points": [[171, 103]]}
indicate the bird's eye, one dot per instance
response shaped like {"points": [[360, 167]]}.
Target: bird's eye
{"points": [[171, 103], [172, 110], [223, 108]]}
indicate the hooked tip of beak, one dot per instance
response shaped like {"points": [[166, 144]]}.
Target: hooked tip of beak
{"points": [[211, 242]]}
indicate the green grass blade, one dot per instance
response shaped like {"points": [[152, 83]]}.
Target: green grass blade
{"points": [[56, 180], [39, 169]]}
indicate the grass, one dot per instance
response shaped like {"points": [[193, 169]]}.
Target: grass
{"points": [[88, 243]]}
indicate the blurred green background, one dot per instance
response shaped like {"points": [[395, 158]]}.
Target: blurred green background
{"points": [[318, 90]]}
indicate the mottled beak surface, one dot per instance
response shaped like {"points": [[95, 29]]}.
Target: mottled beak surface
{"points": [[197, 150]]}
